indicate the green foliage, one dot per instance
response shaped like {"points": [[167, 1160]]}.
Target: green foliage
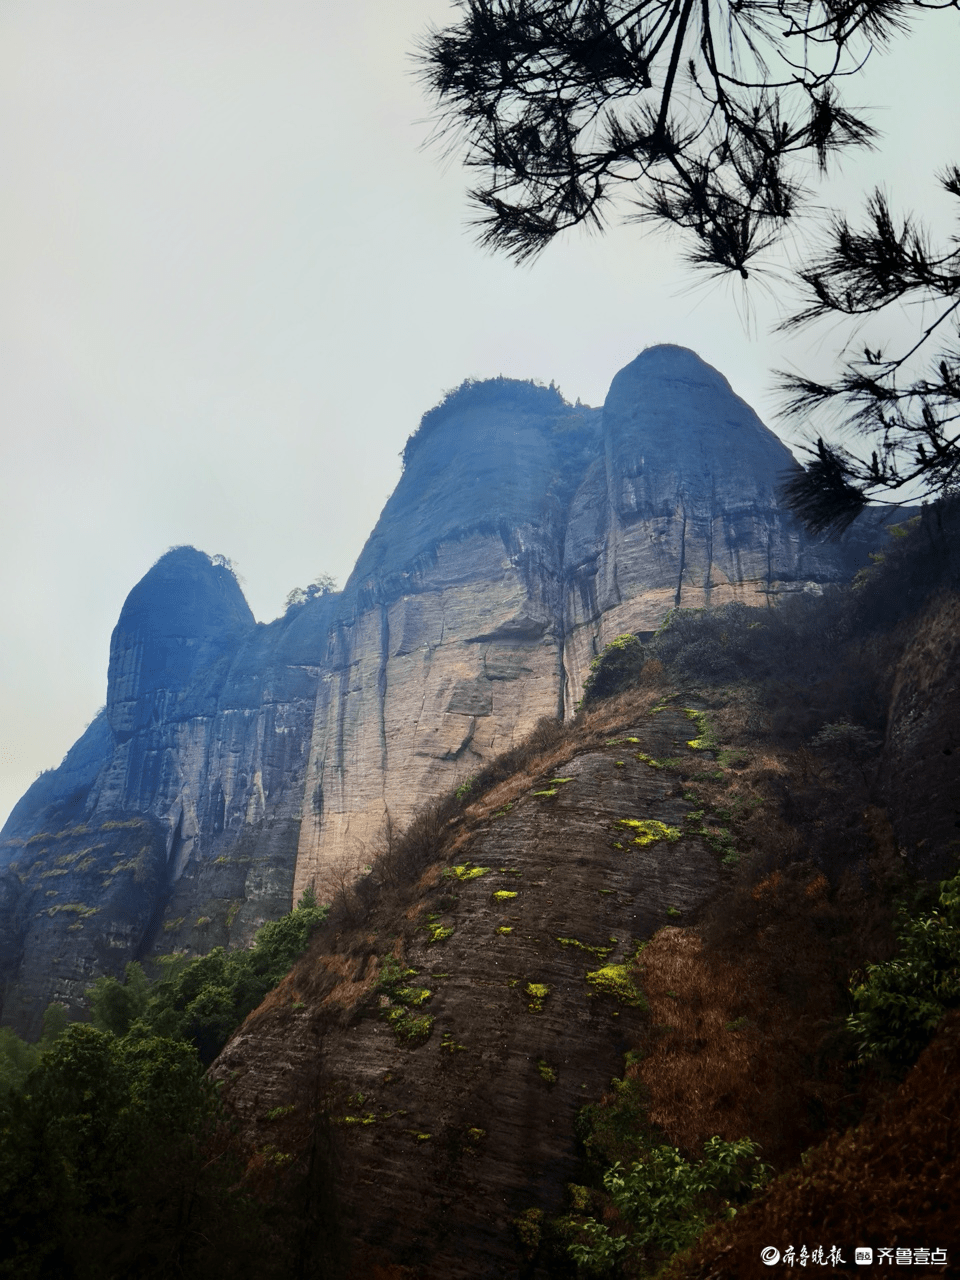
{"points": [[538, 992], [899, 1003], [464, 789], [706, 739], [393, 976], [437, 932], [464, 872], [615, 669], [600, 952], [616, 1129], [106, 1167], [665, 1202], [18, 1058], [204, 999], [529, 1229], [408, 1028], [115, 1005], [308, 900]]}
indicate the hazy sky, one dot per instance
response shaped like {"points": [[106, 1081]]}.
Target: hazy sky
{"points": [[232, 279]]}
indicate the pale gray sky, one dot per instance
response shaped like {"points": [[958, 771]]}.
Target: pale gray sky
{"points": [[231, 281]]}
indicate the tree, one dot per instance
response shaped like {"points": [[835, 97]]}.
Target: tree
{"points": [[114, 1161], [203, 999], [697, 109], [911, 418], [617, 668], [323, 585], [114, 1005], [702, 113]]}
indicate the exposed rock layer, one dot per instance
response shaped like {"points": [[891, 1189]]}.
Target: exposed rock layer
{"points": [[237, 763], [446, 1142]]}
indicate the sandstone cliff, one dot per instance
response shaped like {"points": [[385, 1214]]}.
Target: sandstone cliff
{"points": [[237, 763]]}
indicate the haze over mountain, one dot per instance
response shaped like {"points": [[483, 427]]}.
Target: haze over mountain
{"points": [[237, 763]]}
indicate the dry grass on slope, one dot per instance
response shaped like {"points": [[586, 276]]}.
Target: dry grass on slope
{"points": [[894, 1181], [733, 1048], [706, 1072]]}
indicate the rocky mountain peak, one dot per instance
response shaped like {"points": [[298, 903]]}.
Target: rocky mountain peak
{"points": [[239, 764], [185, 612], [678, 432]]}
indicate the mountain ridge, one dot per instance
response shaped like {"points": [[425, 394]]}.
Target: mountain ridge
{"points": [[238, 763]]}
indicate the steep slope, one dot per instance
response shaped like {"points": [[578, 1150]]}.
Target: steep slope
{"points": [[524, 535], [479, 989], [238, 763], [449, 645], [459, 1028]]}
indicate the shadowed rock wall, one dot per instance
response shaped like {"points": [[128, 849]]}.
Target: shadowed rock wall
{"points": [[236, 763]]}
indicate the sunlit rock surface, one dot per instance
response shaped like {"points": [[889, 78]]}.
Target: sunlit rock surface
{"points": [[236, 763]]}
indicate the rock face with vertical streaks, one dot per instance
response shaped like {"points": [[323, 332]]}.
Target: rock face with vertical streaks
{"points": [[237, 763]]}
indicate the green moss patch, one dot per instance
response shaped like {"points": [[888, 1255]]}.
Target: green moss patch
{"points": [[412, 996], [79, 909], [706, 739], [538, 992], [620, 981], [466, 872], [648, 831], [645, 759], [408, 1028], [600, 952]]}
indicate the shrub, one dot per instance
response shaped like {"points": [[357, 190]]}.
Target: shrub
{"points": [[664, 1201], [617, 668], [204, 999], [899, 1003]]}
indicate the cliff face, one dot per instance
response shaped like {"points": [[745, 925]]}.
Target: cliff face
{"points": [[524, 535], [681, 510], [173, 822], [518, 958], [236, 763], [923, 743]]}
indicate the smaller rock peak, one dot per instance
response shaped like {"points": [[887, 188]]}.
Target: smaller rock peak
{"points": [[185, 611], [513, 395], [677, 427], [187, 592]]}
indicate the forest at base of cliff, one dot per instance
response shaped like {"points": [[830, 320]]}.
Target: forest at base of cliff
{"points": [[825, 966]]}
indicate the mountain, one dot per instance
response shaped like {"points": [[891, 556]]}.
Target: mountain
{"points": [[237, 763]]}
